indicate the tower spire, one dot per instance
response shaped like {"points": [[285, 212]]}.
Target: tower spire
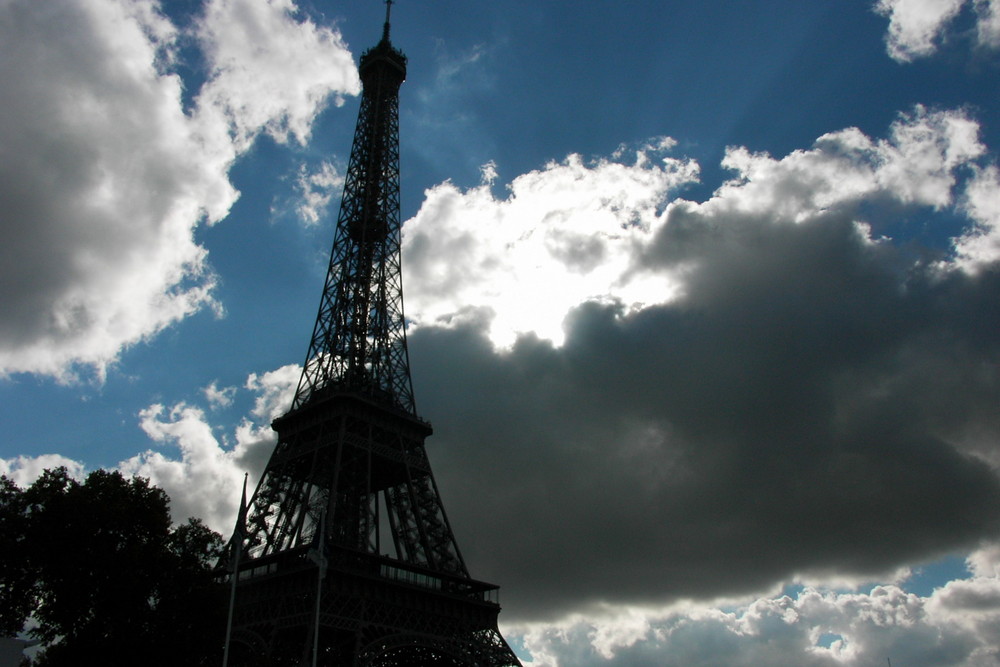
{"points": [[385, 27]]}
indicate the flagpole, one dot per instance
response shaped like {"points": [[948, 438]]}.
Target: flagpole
{"points": [[238, 535], [318, 551], [319, 591], [232, 601]]}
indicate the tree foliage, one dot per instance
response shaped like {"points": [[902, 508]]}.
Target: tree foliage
{"points": [[99, 574]]}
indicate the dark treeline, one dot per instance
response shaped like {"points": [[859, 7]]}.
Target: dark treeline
{"points": [[97, 571]]}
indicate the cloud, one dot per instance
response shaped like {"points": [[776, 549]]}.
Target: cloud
{"points": [[916, 27], [979, 246], [104, 175], [98, 233], [915, 165], [275, 390], [270, 70], [218, 398], [568, 232], [24, 470], [205, 479], [805, 400], [954, 626], [200, 471], [988, 26], [202, 482], [315, 190], [808, 399], [564, 234], [450, 129]]}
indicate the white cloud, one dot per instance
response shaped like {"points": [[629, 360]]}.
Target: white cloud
{"points": [[980, 246], [985, 561], [275, 390], [218, 398], [488, 173], [916, 27], [204, 474], [270, 70], [98, 232], [916, 165], [205, 479], [988, 27], [24, 470], [564, 234], [104, 176], [954, 626], [315, 191]]}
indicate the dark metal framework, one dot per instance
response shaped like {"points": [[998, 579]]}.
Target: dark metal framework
{"points": [[345, 555]]}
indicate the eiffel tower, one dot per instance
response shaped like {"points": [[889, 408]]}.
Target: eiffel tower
{"points": [[344, 554]]}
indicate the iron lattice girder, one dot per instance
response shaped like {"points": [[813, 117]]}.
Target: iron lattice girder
{"points": [[349, 485], [346, 457], [359, 340]]}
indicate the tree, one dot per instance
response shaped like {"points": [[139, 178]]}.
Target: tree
{"points": [[104, 576], [16, 577]]}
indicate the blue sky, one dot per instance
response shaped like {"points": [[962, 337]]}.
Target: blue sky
{"points": [[703, 296]]}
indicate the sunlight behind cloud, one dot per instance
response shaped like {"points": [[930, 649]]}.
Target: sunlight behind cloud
{"points": [[565, 234], [575, 231]]}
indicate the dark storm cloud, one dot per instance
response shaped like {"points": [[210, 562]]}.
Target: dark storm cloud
{"points": [[814, 404]]}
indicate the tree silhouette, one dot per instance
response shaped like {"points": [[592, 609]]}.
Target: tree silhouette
{"points": [[99, 574]]}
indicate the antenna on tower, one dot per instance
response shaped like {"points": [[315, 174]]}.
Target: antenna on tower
{"points": [[385, 27]]}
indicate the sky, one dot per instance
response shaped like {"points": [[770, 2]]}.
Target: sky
{"points": [[704, 298]]}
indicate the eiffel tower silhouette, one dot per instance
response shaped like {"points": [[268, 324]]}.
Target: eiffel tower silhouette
{"points": [[344, 554]]}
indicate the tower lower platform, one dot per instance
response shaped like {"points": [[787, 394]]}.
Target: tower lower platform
{"points": [[373, 612]]}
